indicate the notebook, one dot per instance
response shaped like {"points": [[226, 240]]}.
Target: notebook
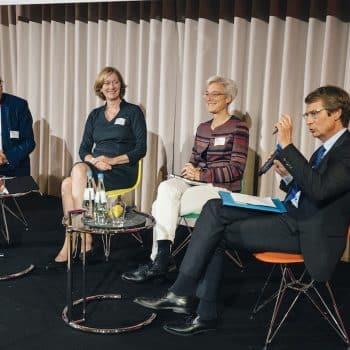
{"points": [[252, 202]]}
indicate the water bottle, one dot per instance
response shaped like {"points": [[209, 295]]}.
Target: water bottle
{"points": [[89, 197], [101, 210]]}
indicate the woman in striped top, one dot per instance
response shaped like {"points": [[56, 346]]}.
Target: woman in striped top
{"points": [[218, 160]]}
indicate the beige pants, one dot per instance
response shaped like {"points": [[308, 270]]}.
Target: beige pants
{"points": [[174, 199]]}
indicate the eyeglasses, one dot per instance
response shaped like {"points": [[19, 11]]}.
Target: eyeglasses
{"points": [[113, 82], [313, 114], [213, 94]]}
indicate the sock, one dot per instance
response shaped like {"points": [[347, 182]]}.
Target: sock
{"points": [[207, 310], [184, 286], [164, 247], [162, 258]]}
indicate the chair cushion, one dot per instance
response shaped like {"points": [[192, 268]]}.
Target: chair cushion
{"points": [[279, 258]]}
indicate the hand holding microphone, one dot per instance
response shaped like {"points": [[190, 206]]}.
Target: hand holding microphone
{"points": [[268, 164], [284, 130]]}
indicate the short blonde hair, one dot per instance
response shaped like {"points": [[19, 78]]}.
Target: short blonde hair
{"points": [[230, 86], [102, 76]]}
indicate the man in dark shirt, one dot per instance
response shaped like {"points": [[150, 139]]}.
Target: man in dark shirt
{"points": [[17, 139]]}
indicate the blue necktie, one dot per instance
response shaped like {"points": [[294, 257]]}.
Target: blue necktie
{"points": [[318, 156], [315, 162]]}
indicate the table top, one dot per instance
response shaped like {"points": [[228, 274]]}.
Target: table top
{"points": [[134, 221]]}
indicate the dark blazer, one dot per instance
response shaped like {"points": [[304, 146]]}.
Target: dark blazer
{"points": [[17, 135], [323, 216]]}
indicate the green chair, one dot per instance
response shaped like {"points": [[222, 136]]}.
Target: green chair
{"points": [[186, 221]]}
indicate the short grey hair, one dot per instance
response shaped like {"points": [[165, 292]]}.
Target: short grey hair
{"points": [[230, 86]]}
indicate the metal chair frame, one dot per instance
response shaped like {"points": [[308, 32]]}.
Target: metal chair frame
{"points": [[5, 231], [185, 219], [303, 285], [19, 216], [106, 239]]}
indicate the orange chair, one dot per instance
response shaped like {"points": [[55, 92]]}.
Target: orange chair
{"points": [[301, 285]]}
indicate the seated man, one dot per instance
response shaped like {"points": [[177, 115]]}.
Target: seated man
{"points": [[218, 158], [17, 141], [315, 224]]}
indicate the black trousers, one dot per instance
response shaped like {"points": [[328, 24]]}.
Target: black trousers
{"points": [[219, 226]]}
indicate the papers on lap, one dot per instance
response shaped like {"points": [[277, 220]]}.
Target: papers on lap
{"points": [[190, 182], [252, 202]]}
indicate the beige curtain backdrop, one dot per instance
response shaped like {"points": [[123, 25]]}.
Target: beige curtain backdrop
{"points": [[277, 51]]}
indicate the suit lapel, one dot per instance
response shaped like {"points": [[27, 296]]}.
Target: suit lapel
{"points": [[323, 163], [4, 125]]}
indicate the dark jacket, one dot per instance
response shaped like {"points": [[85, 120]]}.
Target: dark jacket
{"points": [[17, 135], [323, 216], [129, 139]]}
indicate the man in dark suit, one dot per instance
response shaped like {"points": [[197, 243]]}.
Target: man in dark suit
{"points": [[17, 139], [315, 225]]}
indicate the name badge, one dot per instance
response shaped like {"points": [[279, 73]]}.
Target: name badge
{"points": [[14, 134], [120, 121], [219, 141]]}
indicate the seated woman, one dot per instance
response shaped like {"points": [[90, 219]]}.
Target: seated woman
{"points": [[114, 140], [218, 158]]}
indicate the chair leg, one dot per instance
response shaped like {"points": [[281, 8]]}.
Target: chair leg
{"points": [[185, 242], [289, 274], [287, 282], [138, 237], [329, 312], [235, 258], [182, 245], [258, 306], [106, 242], [21, 216], [4, 230]]}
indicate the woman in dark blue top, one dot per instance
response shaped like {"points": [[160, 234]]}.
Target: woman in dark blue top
{"points": [[114, 139]]}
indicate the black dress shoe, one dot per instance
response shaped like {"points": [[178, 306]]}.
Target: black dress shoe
{"points": [[142, 274], [152, 271], [191, 326], [170, 301]]}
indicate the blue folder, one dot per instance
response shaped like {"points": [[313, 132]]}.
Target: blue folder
{"points": [[228, 200]]}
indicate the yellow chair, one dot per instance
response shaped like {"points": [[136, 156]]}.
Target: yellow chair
{"points": [[106, 239], [121, 191]]}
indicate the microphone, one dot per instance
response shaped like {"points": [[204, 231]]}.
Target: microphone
{"points": [[268, 164]]}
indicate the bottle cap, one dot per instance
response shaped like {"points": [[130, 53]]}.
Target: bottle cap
{"points": [[100, 176], [89, 173]]}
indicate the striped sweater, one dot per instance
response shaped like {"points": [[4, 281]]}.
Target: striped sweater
{"points": [[221, 153]]}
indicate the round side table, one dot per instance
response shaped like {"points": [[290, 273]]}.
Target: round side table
{"points": [[134, 223]]}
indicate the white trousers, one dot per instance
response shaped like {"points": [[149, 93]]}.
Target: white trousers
{"points": [[174, 199]]}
